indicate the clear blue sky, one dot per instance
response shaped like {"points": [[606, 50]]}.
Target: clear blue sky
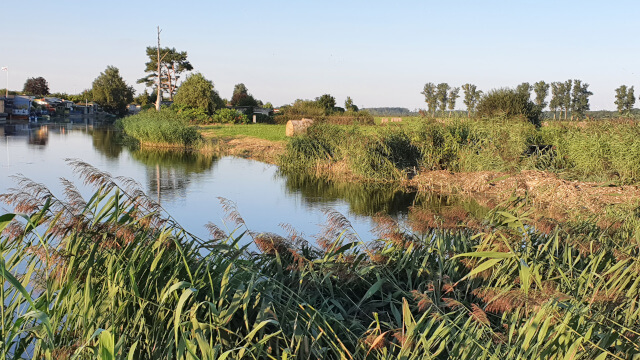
{"points": [[379, 53]]}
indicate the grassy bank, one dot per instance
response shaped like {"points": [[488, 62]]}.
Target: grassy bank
{"points": [[170, 129], [268, 132], [605, 151], [115, 277]]}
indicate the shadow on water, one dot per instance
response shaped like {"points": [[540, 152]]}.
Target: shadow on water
{"points": [[363, 199]]}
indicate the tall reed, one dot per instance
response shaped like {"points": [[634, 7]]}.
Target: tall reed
{"points": [[114, 276], [164, 127]]}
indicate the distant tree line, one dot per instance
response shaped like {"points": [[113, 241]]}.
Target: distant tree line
{"points": [[391, 111], [442, 97], [569, 99]]}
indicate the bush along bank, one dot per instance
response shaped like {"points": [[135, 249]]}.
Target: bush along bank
{"points": [[160, 128], [587, 151], [113, 276], [381, 156]]}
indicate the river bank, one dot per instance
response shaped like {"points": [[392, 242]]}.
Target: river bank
{"points": [[564, 170], [552, 197], [246, 147]]}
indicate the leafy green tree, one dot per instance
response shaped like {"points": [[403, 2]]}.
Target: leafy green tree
{"points": [[36, 86], [60, 95], [429, 92], [198, 92], [8, 92], [453, 95], [553, 103], [326, 102], [111, 92], [557, 98], [566, 98], [240, 89], [442, 90], [349, 106], [625, 99], [524, 88], [241, 96], [471, 97], [143, 99], [541, 89], [580, 98], [268, 105], [231, 116], [85, 96], [631, 99], [621, 98], [172, 64]]}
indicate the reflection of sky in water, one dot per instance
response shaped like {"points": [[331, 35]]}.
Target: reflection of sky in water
{"points": [[188, 187]]}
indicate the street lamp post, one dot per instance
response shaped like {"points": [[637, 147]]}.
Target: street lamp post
{"points": [[6, 91]]}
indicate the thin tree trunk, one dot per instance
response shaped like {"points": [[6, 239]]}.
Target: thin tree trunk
{"points": [[169, 76], [159, 96]]}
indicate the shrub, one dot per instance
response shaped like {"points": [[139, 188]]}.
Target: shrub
{"points": [[508, 103], [384, 157], [160, 127], [195, 115], [230, 116]]}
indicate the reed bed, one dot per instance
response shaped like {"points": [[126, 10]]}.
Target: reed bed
{"points": [[161, 128], [116, 277], [607, 151]]}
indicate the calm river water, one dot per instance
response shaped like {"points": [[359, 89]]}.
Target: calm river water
{"points": [[188, 185]]}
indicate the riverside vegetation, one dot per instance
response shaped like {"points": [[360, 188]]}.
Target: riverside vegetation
{"points": [[115, 277], [605, 150], [462, 281], [594, 150], [585, 165]]}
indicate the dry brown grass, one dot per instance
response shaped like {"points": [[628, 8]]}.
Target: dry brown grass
{"points": [[252, 148], [555, 197]]}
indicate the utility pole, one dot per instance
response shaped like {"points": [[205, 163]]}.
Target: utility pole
{"points": [[158, 85]]}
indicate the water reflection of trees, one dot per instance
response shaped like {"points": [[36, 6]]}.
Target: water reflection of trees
{"points": [[363, 199], [107, 141], [424, 210], [169, 172]]}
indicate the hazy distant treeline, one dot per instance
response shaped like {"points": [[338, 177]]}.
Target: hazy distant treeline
{"points": [[391, 111]]}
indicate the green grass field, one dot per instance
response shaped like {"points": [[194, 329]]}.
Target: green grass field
{"points": [[261, 131]]}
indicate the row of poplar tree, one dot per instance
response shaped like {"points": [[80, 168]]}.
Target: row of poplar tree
{"points": [[568, 97]]}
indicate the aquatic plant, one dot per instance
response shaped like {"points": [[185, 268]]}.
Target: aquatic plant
{"points": [[114, 276], [589, 151], [158, 128]]}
